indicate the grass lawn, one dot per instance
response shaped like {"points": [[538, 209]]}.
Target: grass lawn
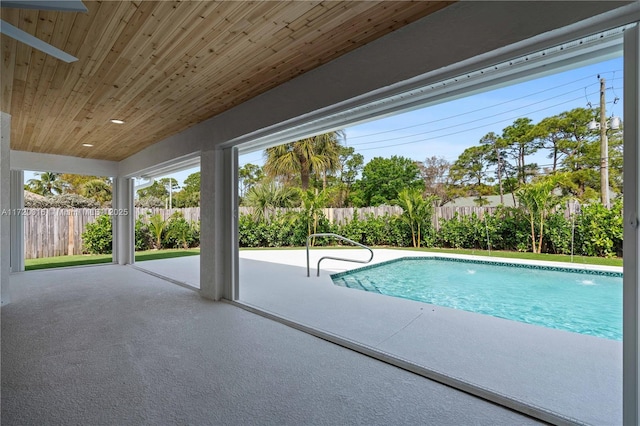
{"points": [[89, 259]]}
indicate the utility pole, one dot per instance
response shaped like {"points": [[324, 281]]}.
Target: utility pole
{"points": [[604, 148]]}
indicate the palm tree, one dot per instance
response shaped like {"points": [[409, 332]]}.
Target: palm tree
{"points": [[328, 145], [538, 199], [267, 196], [312, 204], [98, 190], [157, 225], [316, 154], [416, 212], [47, 184]]}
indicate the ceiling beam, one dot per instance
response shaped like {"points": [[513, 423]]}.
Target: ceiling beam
{"points": [[24, 160]]}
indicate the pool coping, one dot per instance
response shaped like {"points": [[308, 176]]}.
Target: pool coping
{"points": [[542, 266]]}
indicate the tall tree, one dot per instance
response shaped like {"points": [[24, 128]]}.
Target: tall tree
{"points": [[551, 133], [249, 175], [471, 168], [564, 134], [579, 152], [189, 195], [157, 190], [435, 172], [47, 183], [316, 154], [496, 156], [350, 165], [520, 141], [173, 186], [383, 178], [328, 146], [616, 159]]}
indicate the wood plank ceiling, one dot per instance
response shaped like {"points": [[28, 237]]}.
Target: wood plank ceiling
{"points": [[163, 66]]}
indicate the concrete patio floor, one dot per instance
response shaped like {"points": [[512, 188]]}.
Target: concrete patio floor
{"points": [[574, 377], [111, 345]]}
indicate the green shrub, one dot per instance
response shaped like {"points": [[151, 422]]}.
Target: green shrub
{"points": [[280, 231], [383, 230], [509, 230], [149, 202], [557, 234], [143, 237], [64, 201], [179, 233], [462, 232], [599, 230], [505, 229], [98, 236]]}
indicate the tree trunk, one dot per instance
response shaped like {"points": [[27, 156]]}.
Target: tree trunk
{"points": [[413, 235], [304, 177], [541, 233], [500, 176], [533, 233], [522, 166]]}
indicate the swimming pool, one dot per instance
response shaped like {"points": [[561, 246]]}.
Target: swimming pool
{"points": [[580, 301]]}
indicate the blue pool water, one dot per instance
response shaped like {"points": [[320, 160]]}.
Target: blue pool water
{"points": [[577, 301]]}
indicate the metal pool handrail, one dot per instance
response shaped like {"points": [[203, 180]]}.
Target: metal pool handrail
{"points": [[340, 237]]}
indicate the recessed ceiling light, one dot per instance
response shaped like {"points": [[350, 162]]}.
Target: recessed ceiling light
{"points": [[87, 144], [116, 121]]}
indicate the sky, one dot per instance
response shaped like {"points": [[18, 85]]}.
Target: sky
{"points": [[447, 129]]}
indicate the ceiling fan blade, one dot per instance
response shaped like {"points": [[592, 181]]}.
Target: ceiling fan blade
{"points": [[58, 5], [36, 43]]}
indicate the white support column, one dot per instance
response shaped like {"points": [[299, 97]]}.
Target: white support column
{"points": [[17, 221], [631, 291], [123, 221], [231, 154], [5, 207], [218, 224]]}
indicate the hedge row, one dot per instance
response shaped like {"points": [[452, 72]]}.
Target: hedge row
{"points": [[176, 232], [597, 231]]}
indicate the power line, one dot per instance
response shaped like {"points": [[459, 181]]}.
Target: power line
{"points": [[469, 129], [482, 109], [466, 122]]}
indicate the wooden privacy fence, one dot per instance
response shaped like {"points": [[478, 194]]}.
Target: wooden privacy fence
{"points": [[55, 232], [345, 214], [192, 214], [58, 232], [335, 215]]}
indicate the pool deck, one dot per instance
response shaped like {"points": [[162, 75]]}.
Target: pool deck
{"points": [[573, 376]]}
